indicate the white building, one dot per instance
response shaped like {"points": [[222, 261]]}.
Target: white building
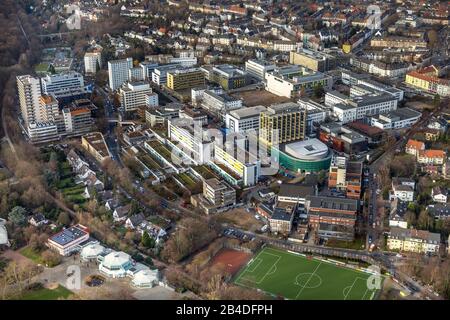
{"points": [[242, 167], [68, 240], [152, 100], [403, 192], [116, 264], [91, 61], [347, 109], [145, 278], [397, 119], [244, 119], [3, 233], [220, 103], [118, 72], [194, 145], [136, 74], [134, 95], [91, 251], [315, 113], [29, 90], [159, 74], [63, 84], [292, 80], [258, 68], [147, 69], [439, 195]]}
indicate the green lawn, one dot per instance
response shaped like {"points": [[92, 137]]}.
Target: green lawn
{"points": [[47, 294], [297, 277], [31, 254]]}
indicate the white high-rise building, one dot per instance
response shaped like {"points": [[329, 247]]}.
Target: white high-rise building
{"points": [[118, 72], [37, 110], [63, 84], [29, 89], [134, 95], [91, 59]]}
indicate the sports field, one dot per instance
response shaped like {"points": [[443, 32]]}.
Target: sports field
{"points": [[296, 277]]}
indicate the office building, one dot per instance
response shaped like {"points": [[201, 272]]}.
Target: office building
{"points": [[294, 81], [64, 85], [227, 76], [259, 68], [282, 123], [314, 60], [347, 109], [220, 103], [218, 193], [244, 119], [237, 167], [118, 72], [134, 95], [159, 74], [397, 119], [181, 79], [192, 144]]}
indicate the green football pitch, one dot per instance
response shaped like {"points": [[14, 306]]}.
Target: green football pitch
{"points": [[297, 277]]}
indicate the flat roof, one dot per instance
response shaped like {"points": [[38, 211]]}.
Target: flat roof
{"points": [[248, 112], [69, 235], [333, 203], [311, 149]]}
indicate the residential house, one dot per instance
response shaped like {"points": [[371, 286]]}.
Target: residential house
{"points": [[112, 204], [414, 147], [120, 214], [134, 221], [439, 210], [37, 220], [403, 191], [436, 157], [439, 194], [397, 214]]}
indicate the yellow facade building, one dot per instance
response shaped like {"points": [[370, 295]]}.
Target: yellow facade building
{"points": [[185, 79]]}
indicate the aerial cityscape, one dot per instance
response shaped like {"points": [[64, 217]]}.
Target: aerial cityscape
{"points": [[224, 150]]}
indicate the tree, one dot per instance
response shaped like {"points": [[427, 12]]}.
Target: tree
{"points": [[425, 221], [64, 218], [17, 215], [147, 241], [51, 258], [410, 217]]}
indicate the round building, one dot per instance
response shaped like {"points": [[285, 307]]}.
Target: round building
{"points": [[303, 156]]}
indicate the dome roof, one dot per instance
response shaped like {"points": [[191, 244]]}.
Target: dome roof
{"points": [[92, 250], [116, 258], [145, 276]]}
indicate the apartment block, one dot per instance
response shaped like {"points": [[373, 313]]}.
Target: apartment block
{"points": [[412, 240]]}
